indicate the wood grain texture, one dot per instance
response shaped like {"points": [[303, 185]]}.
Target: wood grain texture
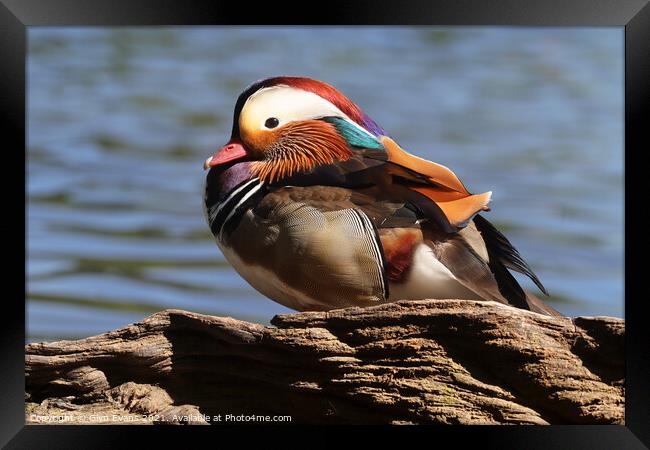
{"points": [[427, 361]]}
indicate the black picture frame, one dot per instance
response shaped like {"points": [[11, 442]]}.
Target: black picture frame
{"points": [[634, 15]]}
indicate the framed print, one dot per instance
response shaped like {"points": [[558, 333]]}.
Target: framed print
{"points": [[410, 214]]}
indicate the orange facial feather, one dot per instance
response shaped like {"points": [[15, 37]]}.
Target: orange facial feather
{"points": [[298, 147]]}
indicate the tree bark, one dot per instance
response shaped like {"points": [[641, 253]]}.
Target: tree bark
{"points": [[428, 361]]}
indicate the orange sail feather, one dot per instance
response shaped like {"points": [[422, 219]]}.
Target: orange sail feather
{"points": [[446, 189]]}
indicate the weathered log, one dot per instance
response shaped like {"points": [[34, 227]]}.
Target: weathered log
{"points": [[429, 361]]}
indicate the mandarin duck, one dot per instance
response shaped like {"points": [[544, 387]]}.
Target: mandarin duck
{"points": [[318, 208]]}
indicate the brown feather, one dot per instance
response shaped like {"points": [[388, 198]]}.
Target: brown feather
{"points": [[472, 261]]}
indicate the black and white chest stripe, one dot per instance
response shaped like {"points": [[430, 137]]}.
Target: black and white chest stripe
{"points": [[224, 216]]}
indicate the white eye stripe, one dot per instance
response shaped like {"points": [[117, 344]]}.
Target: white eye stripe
{"points": [[287, 104]]}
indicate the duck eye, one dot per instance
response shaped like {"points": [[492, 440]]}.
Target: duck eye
{"points": [[271, 122]]}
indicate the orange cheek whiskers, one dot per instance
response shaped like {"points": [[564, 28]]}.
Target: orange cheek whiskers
{"points": [[301, 147]]}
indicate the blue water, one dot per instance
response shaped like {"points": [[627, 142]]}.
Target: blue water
{"points": [[121, 119]]}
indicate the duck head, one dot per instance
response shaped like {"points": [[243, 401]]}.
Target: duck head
{"points": [[286, 125]]}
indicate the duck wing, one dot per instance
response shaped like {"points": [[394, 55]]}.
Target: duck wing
{"points": [[422, 201]]}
